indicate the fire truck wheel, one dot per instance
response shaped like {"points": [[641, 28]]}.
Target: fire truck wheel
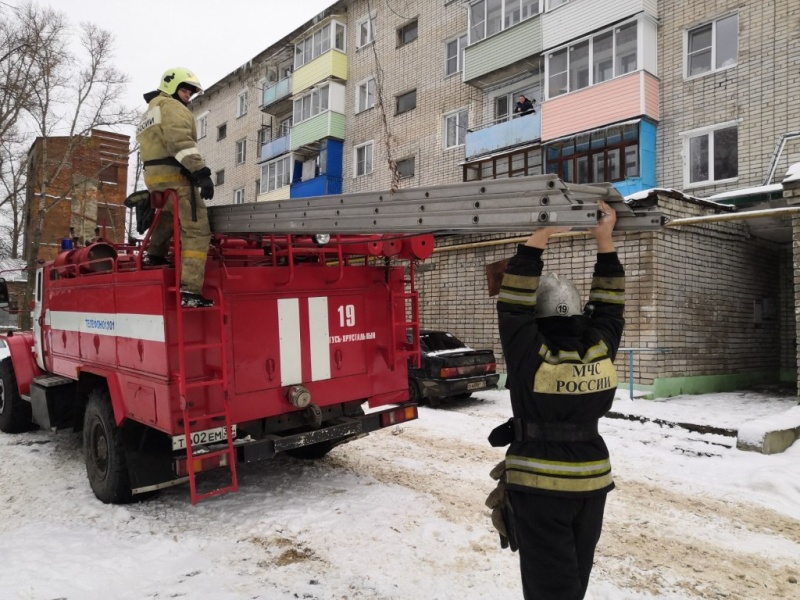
{"points": [[15, 413], [311, 452], [104, 451]]}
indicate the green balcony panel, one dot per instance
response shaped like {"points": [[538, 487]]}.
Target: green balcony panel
{"points": [[501, 50], [330, 64], [328, 124]]}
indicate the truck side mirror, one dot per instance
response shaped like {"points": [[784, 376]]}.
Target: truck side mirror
{"points": [[3, 293]]}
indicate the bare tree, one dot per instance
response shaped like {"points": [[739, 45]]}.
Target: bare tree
{"points": [[47, 89]]}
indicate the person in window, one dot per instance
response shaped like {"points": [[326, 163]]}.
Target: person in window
{"points": [[523, 106], [562, 379], [167, 138]]}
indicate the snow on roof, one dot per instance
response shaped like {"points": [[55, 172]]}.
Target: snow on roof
{"points": [[793, 174], [678, 195], [775, 188]]}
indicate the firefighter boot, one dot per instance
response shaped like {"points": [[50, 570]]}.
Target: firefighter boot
{"points": [[191, 300]]}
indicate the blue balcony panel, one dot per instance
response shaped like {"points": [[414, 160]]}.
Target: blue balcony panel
{"points": [[275, 148], [318, 186], [277, 92], [509, 134]]}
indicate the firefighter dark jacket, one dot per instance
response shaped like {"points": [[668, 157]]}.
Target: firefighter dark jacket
{"points": [[168, 130], [561, 377]]}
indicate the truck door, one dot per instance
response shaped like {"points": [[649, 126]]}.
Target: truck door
{"points": [[38, 320]]}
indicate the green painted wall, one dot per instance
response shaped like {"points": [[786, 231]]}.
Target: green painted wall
{"points": [[505, 48], [328, 124]]}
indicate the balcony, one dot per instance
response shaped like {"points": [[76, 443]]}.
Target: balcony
{"points": [[505, 135], [277, 97], [509, 53], [332, 64], [318, 186], [274, 148], [324, 125]]}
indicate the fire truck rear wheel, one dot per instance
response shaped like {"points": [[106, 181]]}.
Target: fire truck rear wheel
{"points": [[104, 451], [15, 413]]}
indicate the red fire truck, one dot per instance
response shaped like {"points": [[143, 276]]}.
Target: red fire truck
{"points": [[307, 345]]}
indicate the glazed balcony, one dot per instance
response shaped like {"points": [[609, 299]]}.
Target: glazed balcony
{"points": [[274, 148], [328, 124], [277, 98], [501, 136]]}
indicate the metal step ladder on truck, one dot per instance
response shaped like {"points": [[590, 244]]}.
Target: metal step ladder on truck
{"points": [[315, 316]]}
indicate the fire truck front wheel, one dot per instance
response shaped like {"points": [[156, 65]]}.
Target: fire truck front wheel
{"points": [[15, 413], [104, 451]]}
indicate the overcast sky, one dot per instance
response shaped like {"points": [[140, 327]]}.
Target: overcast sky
{"points": [[210, 37]]}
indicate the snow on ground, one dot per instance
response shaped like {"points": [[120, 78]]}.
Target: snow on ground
{"points": [[399, 515]]}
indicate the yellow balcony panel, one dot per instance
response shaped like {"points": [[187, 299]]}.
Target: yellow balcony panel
{"points": [[330, 64]]}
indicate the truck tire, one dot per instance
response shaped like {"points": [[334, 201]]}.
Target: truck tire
{"points": [[413, 392], [312, 452], [104, 450], [15, 413]]}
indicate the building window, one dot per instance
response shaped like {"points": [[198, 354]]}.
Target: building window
{"points": [[487, 17], [362, 161], [365, 95], [365, 31], [108, 174], [238, 196], [405, 167], [711, 154], [241, 152], [551, 4], [222, 131], [263, 137], [241, 104], [220, 177], [406, 102], [311, 104], [455, 128], [285, 127], [318, 43], [454, 52], [202, 127], [608, 154], [515, 164], [713, 46], [593, 60], [407, 33], [505, 104], [276, 174]]}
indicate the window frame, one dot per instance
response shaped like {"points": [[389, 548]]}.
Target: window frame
{"points": [[709, 131], [401, 41], [712, 48], [408, 160], [370, 31], [365, 84], [368, 162], [241, 151], [219, 177], [484, 29], [222, 131], [238, 196], [405, 97], [458, 127], [459, 57], [313, 98], [279, 177], [201, 123], [618, 69], [307, 49], [242, 99]]}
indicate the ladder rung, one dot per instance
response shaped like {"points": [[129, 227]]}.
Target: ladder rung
{"points": [[208, 417], [214, 453], [204, 383], [217, 492]]}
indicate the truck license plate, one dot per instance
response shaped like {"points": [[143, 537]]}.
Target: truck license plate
{"points": [[477, 385], [207, 436]]}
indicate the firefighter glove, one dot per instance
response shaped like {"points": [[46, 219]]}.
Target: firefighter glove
{"points": [[502, 513], [202, 179], [502, 435]]}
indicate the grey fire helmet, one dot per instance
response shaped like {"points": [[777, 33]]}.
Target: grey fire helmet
{"points": [[557, 296]]}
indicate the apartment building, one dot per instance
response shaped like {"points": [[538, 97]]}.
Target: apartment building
{"points": [[372, 96]]}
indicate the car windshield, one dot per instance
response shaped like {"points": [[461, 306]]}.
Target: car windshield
{"points": [[437, 341]]}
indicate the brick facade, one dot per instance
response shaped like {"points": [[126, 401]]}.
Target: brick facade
{"points": [[92, 186]]}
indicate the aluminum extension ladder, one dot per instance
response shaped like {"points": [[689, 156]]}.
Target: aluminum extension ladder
{"points": [[494, 206]]}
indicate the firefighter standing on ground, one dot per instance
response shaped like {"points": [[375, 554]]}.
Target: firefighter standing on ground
{"points": [[167, 139], [562, 380]]}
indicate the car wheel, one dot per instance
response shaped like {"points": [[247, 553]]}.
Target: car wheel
{"points": [[15, 413], [104, 451]]}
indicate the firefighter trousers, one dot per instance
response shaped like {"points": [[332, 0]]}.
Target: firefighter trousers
{"points": [[195, 236], [557, 537]]}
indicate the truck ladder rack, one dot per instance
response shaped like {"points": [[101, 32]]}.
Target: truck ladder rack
{"points": [[495, 206]]}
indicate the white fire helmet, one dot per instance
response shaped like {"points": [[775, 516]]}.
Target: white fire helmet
{"points": [[557, 296]]}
